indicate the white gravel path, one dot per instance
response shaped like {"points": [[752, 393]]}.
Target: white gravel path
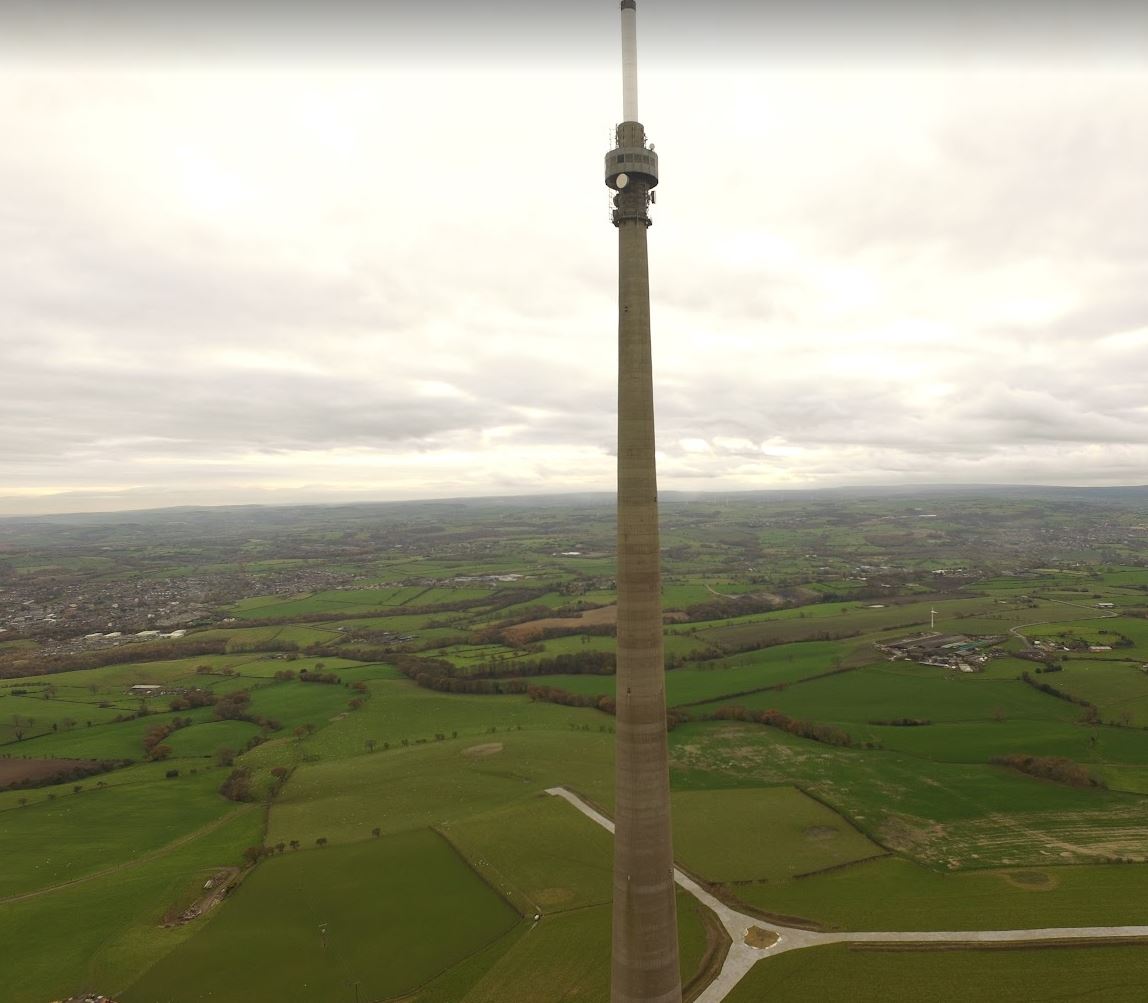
{"points": [[742, 957]]}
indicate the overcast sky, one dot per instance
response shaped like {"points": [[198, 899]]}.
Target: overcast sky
{"points": [[365, 253]]}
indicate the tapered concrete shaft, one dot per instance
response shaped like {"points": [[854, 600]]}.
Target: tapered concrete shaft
{"points": [[645, 948]]}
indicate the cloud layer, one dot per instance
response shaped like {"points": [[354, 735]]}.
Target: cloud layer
{"points": [[293, 281]]}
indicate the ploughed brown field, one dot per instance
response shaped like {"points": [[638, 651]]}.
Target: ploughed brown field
{"points": [[15, 771], [533, 629]]}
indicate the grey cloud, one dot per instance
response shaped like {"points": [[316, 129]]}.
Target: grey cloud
{"points": [[241, 29]]}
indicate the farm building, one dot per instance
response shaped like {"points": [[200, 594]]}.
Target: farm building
{"points": [[146, 690], [951, 651]]}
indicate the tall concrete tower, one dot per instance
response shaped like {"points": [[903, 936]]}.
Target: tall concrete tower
{"points": [[645, 947]]}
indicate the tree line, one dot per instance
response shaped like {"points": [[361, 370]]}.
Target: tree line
{"points": [[1059, 769], [72, 772], [827, 734]]}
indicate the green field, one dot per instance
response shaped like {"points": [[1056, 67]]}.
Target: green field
{"points": [[570, 950], [545, 855], [447, 875], [107, 931], [60, 835], [896, 894], [336, 601], [892, 691], [300, 928], [764, 834], [726, 677], [1103, 973], [439, 783], [948, 815]]}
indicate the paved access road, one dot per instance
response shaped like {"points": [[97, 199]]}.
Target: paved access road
{"points": [[742, 957]]}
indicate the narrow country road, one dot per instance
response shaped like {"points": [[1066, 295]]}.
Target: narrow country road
{"points": [[742, 957]]}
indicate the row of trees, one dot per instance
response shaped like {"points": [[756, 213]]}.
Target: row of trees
{"points": [[68, 773], [827, 734], [39, 664], [1059, 769], [153, 741], [596, 663], [1052, 691]]}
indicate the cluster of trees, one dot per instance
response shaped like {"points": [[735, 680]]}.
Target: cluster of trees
{"points": [[1055, 768], [153, 741], [573, 663], [39, 664], [597, 663], [317, 675], [362, 652], [237, 786], [190, 699], [824, 733], [492, 678], [720, 607], [236, 706], [463, 684], [904, 722], [554, 694], [279, 777]]}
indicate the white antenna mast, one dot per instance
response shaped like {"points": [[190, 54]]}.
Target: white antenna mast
{"points": [[629, 61]]}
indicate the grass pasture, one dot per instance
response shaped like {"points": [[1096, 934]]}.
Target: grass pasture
{"points": [[439, 783], [570, 950], [105, 931], [399, 711], [122, 740], [113, 681], [1091, 631], [896, 894], [896, 690], [549, 857], [1110, 973], [348, 601], [30, 716], [860, 618], [769, 833], [300, 927], [948, 815], [721, 678], [902, 827], [60, 835]]}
